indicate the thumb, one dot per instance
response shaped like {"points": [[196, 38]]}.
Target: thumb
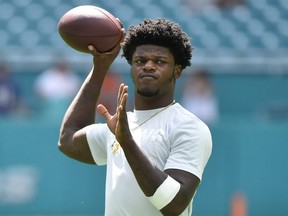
{"points": [[104, 112]]}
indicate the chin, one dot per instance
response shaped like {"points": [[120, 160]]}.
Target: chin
{"points": [[147, 93]]}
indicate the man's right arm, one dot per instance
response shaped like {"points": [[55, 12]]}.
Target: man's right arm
{"points": [[81, 112]]}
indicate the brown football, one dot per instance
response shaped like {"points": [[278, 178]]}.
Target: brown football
{"points": [[90, 25]]}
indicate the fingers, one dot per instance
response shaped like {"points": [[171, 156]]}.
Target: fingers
{"points": [[123, 35], [120, 94], [122, 90], [122, 101], [104, 112], [122, 116], [93, 50], [124, 97], [113, 50], [119, 21]]}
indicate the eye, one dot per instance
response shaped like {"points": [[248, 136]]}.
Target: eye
{"points": [[138, 61], [159, 61]]}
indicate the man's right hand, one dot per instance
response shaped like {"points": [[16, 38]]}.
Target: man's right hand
{"points": [[102, 61]]}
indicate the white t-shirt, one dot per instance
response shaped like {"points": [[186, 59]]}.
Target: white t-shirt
{"points": [[172, 139]]}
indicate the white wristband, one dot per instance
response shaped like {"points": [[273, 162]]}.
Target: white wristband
{"points": [[165, 193]]}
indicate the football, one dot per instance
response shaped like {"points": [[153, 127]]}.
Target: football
{"points": [[90, 25]]}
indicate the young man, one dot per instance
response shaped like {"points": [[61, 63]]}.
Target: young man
{"points": [[155, 155]]}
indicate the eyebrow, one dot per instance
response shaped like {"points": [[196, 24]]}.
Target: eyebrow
{"points": [[154, 56]]}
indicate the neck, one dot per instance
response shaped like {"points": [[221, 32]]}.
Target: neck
{"points": [[146, 103]]}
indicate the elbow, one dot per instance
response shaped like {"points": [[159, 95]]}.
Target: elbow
{"points": [[63, 143], [66, 148], [61, 146], [177, 206]]}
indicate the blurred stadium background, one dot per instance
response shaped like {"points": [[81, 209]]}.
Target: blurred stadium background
{"points": [[244, 48]]}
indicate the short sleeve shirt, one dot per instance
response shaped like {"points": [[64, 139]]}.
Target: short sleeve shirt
{"points": [[172, 139]]}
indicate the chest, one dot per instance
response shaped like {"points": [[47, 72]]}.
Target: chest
{"points": [[155, 144]]}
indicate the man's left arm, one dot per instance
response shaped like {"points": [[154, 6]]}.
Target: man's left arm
{"points": [[171, 190]]}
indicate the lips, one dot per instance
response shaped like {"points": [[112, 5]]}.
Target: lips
{"points": [[148, 76]]}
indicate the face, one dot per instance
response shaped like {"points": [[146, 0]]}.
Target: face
{"points": [[154, 71]]}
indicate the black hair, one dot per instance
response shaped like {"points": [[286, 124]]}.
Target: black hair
{"points": [[161, 32]]}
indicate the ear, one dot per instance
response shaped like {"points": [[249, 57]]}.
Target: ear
{"points": [[177, 71]]}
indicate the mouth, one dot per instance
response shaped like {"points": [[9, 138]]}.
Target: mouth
{"points": [[150, 76]]}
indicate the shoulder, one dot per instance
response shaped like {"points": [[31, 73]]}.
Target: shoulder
{"points": [[182, 117], [180, 110], [185, 124]]}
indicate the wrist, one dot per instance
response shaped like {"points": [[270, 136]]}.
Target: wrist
{"points": [[165, 193]]}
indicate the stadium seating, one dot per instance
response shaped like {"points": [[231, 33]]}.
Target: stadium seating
{"points": [[258, 24]]}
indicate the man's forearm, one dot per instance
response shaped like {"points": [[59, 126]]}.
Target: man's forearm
{"points": [[148, 176]]}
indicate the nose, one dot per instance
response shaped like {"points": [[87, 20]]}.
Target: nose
{"points": [[149, 65]]}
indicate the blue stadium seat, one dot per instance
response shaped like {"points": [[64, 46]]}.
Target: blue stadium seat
{"points": [[259, 24], [7, 10], [124, 17], [172, 4], [4, 38], [22, 3], [29, 38], [153, 11], [34, 11]]}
